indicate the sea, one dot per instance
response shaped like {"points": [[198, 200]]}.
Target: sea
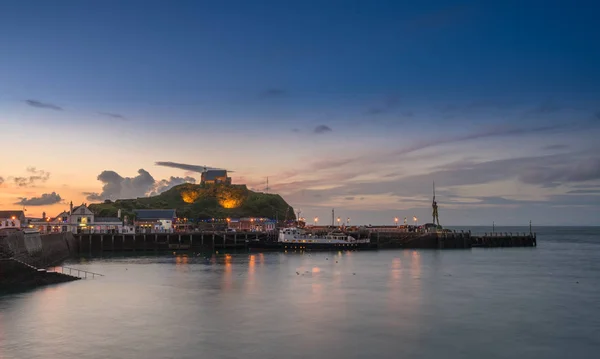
{"points": [[541, 302]]}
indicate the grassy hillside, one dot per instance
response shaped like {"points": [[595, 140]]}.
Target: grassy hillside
{"points": [[204, 201]]}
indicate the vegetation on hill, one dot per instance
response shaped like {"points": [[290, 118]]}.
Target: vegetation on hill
{"points": [[204, 202]]}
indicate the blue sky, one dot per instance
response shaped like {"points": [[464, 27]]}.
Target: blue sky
{"points": [[498, 102]]}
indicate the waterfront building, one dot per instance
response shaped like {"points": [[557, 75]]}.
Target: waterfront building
{"points": [[154, 220], [78, 220], [215, 177], [251, 224], [12, 219]]}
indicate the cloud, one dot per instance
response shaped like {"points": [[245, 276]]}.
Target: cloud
{"points": [[117, 187], [164, 185], [322, 129], [552, 175], [296, 130], [349, 198], [112, 115], [555, 147], [93, 196], [273, 93], [45, 199], [584, 191], [39, 104], [30, 181], [185, 166], [1, 180]]}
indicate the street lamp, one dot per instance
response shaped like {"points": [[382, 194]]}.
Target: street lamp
{"points": [[338, 220], [415, 219], [348, 221], [316, 220], [396, 221]]}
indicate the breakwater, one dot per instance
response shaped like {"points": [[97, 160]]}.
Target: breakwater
{"points": [[89, 244], [23, 258]]}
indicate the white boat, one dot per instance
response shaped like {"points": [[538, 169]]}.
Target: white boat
{"points": [[297, 235]]}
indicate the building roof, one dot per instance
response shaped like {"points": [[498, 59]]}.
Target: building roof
{"points": [[212, 175], [107, 220], [155, 214], [9, 214]]}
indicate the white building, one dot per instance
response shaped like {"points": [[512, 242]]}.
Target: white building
{"points": [[79, 220], [12, 219]]}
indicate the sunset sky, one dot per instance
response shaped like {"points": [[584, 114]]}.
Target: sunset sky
{"points": [[353, 105]]}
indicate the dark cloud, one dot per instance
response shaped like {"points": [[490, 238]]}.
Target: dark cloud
{"points": [[273, 92], [322, 129], [584, 191], [185, 166], [34, 177], [555, 147], [39, 104], [496, 132], [296, 130], [164, 185], [388, 105], [93, 196], [542, 171], [117, 187], [113, 115], [552, 174], [45, 199], [349, 198]]}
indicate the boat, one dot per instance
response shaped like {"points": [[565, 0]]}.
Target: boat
{"points": [[297, 239], [298, 235]]}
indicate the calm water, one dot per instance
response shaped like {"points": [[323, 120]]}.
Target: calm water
{"points": [[539, 302]]}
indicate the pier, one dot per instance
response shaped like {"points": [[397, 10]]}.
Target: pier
{"points": [[88, 244]]}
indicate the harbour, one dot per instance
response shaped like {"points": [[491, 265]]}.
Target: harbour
{"points": [[507, 302]]}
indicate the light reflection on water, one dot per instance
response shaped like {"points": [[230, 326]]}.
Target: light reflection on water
{"points": [[458, 303]]}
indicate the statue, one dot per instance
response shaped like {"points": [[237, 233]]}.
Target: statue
{"points": [[436, 218]]}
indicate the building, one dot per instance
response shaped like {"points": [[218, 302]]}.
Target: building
{"points": [[215, 177], [154, 220], [78, 220], [252, 224], [12, 219]]}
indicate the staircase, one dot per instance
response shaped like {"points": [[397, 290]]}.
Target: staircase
{"points": [[73, 273]]}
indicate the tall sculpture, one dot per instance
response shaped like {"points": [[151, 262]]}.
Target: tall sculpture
{"points": [[436, 218]]}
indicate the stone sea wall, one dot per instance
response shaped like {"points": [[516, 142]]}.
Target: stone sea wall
{"points": [[38, 250]]}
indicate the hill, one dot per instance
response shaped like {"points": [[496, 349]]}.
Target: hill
{"points": [[201, 201]]}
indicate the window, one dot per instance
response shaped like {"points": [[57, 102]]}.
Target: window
{"points": [[89, 220], [78, 219]]}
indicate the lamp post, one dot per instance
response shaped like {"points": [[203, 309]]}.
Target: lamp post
{"points": [[396, 221], [316, 220], [338, 221], [415, 219]]}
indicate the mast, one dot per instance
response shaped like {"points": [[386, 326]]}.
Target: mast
{"points": [[332, 217]]}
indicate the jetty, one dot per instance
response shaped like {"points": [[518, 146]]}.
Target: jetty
{"points": [[210, 241]]}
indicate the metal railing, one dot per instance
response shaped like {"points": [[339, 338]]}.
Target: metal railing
{"points": [[83, 274]]}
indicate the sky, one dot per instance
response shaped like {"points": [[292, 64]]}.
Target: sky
{"points": [[354, 105]]}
